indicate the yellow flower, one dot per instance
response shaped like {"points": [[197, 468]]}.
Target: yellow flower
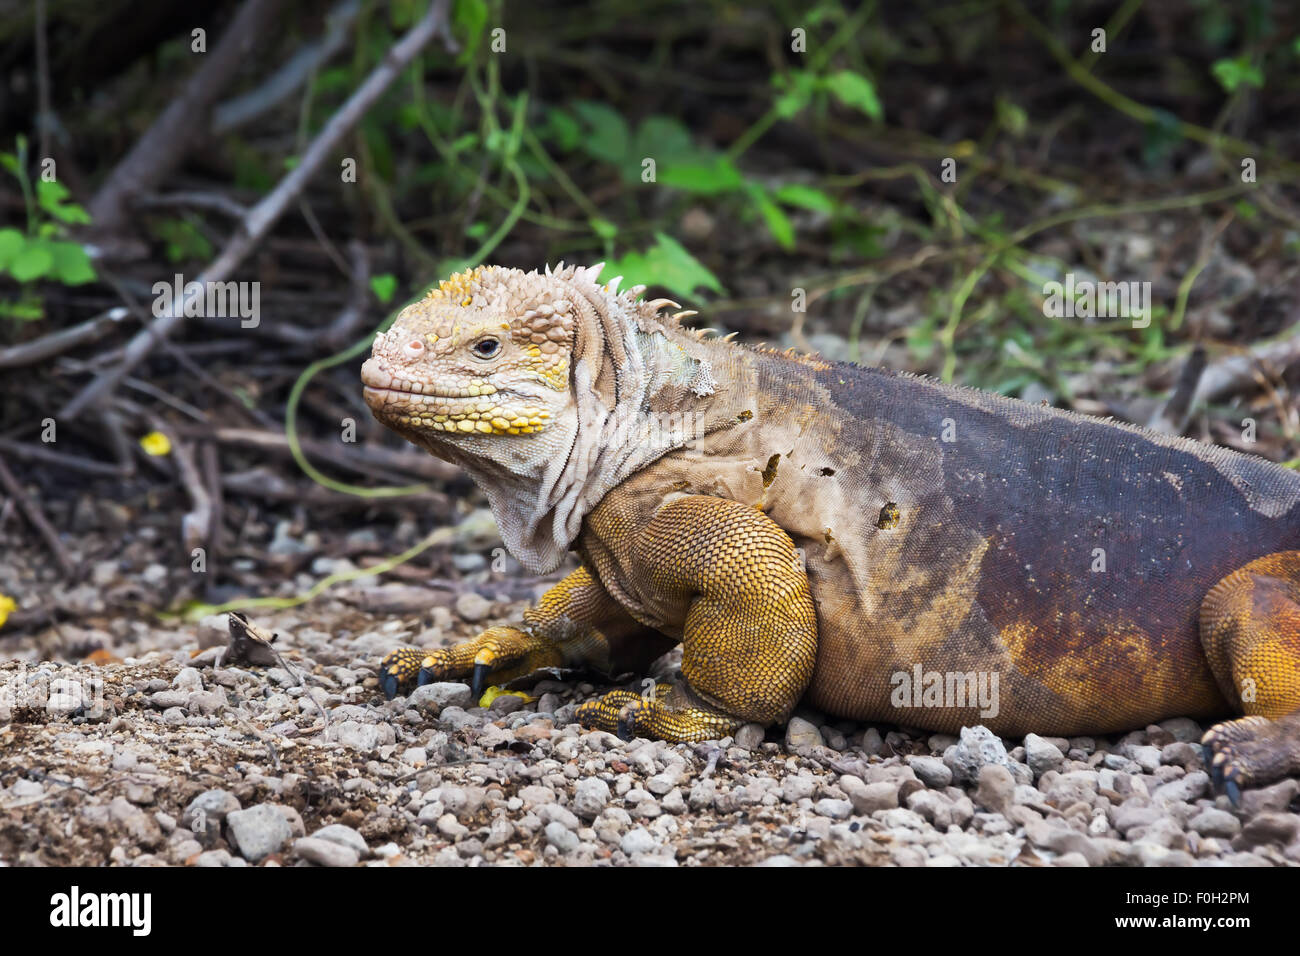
{"points": [[156, 443], [493, 692], [7, 606]]}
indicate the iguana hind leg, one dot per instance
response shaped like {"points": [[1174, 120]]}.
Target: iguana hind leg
{"points": [[1250, 629], [749, 627], [575, 624]]}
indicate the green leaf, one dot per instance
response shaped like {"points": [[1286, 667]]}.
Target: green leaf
{"points": [[401, 14], [34, 261], [72, 214], [607, 133], [778, 223], [1162, 135], [50, 192], [470, 18], [383, 286], [50, 196], [805, 197], [1012, 117], [1232, 73], [71, 264], [703, 179], [463, 142], [561, 129], [603, 228], [252, 170], [377, 140], [667, 264], [11, 243], [855, 90], [796, 92], [408, 117], [858, 239], [332, 79], [667, 141], [183, 238], [26, 309]]}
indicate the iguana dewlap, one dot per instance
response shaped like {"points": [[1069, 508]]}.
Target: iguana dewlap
{"points": [[881, 545]]}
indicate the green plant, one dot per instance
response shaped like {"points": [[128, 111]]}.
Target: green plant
{"points": [[182, 240], [1236, 72], [667, 264], [384, 286], [601, 132], [41, 252]]}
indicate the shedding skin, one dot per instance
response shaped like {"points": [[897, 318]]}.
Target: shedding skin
{"points": [[812, 530]]}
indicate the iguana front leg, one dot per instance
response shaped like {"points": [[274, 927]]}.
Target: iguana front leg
{"points": [[575, 624], [732, 578], [1250, 629]]}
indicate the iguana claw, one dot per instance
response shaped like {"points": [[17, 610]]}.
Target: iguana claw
{"points": [[480, 680], [399, 670], [389, 685], [497, 656], [659, 716], [1250, 751]]}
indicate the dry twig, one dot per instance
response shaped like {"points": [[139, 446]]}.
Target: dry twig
{"points": [[261, 217], [35, 516]]}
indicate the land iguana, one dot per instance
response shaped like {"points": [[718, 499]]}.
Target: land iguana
{"points": [[809, 530]]}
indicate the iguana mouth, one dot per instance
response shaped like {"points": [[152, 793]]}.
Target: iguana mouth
{"points": [[389, 390], [477, 408], [378, 381]]}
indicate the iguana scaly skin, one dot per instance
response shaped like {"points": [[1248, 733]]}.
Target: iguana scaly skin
{"points": [[817, 530]]}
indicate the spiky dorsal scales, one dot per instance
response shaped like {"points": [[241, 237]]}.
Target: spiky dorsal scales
{"points": [[540, 312]]}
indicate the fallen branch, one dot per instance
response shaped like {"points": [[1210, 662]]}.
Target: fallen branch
{"points": [[280, 85], [61, 459], [161, 149], [266, 485], [262, 216], [37, 519], [56, 343], [196, 524], [347, 324], [371, 460], [1171, 418], [212, 479], [1233, 373], [193, 199]]}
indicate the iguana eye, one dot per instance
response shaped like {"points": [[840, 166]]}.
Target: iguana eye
{"points": [[486, 348]]}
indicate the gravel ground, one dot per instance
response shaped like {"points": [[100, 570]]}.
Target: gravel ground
{"points": [[163, 758]]}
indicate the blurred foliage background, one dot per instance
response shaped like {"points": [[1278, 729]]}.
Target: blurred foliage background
{"points": [[729, 155], [793, 145]]}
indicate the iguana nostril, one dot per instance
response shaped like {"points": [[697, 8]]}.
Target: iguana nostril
{"points": [[414, 347]]}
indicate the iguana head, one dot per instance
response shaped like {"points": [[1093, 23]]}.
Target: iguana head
{"points": [[535, 383], [481, 361]]}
